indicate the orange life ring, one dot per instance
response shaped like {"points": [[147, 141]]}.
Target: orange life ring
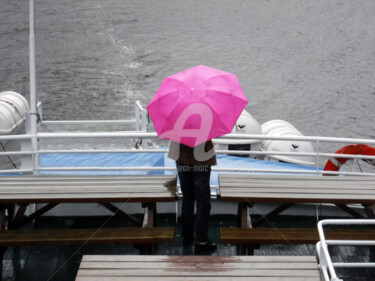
{"points": [[334, 164]]}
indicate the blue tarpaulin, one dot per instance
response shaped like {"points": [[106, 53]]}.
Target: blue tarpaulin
{"points": [[60, 160]]}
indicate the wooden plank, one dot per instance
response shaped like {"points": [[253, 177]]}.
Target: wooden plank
{"points": [[96, 177], [84, 183], [298, 185], [212, 273], [299, 190], [207, 259], [85, 189], [163, 181], [85, 236], [46, 189], [301, 187], [290, 235], [298, 198], [86, 198], [170, 268], [192, 278], [308, 196], [231, 176], [198, 265], [78, 184]]}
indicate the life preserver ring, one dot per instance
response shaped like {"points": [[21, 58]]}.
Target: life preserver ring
{"points": [[334, 164]]}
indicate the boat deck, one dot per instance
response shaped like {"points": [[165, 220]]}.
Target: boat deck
{"points": [[60, 263]]}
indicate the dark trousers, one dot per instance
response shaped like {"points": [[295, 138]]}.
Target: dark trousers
{"points": [[195, 186]]}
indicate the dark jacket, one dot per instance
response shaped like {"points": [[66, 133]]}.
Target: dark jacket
{"points": [[203, 154]]}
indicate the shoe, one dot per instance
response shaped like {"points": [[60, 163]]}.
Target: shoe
{"points": [[207, 248]]}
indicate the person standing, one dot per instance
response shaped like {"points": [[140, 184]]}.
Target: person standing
{"points": [[194, 171]]}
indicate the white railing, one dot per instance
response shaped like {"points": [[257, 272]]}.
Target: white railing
{"points": [[27, 151], [326, 265], [30, 155]]}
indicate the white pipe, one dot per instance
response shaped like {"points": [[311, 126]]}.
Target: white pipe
{"points": [[324, 243], [16, 137], [140, 168], [119, 134], [324, 248], [161, 168], [33, 98], [12, 171], [154, 135], [90, 122], [301, 138], [351, 242], [10, 153], [103, 151], [355, 265], [138, 104]]}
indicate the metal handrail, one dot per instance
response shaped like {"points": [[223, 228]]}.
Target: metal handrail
{"points": [[89, 122], [140, 122], [326, 265], [138, 133], [148, 135], [161, 150]]}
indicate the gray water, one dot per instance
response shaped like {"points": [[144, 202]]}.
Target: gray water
{"points": [[311, 63]]}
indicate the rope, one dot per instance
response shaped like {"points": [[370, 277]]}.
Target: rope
{"points": [[10, 159]]}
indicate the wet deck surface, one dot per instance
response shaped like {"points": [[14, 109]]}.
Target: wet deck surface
{"points": [[60, 263]]}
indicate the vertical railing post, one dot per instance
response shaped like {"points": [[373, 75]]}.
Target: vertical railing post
{"points": [[27, 159], [144, 120], [317, 156], [33, 115], [137, 118]]}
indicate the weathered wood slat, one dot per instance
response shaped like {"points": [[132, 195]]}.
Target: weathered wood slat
{"points": [[296, 189], [85, 236], [254, 268], [199, 259], [193, 278], [299, 185], [290, 235], [230, 176], [298, 198], [271, 189], [46, 189], [64, 195], [84, 183], [82, 189], [84, 198], [200, 265], [128, 179], [90, 177], [180, 272]]}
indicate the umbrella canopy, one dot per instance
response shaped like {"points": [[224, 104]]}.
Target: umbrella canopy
{"points": [[196, 105]]}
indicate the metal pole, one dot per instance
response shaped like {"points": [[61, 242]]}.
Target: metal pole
{"points": [[33, 98]]}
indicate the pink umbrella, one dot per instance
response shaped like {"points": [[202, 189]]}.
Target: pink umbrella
{"points": [[196, 105]]}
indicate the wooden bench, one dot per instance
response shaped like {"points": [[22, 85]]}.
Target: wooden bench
{"points": [[199, 268], [105, 190], [40, 237], [17, 192], [287, 190], [252, 237]]}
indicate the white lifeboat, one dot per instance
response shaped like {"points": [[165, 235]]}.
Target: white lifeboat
{"points": [[13, 108], [246, 124], [285, 129]]}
